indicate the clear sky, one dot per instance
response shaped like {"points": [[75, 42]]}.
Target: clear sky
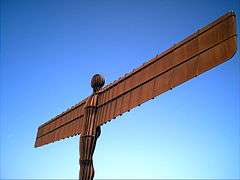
{"points": [[50, 50]]}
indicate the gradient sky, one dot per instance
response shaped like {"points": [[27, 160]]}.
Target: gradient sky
{"points": [[51, 48]]}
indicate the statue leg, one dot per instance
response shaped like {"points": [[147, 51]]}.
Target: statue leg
{"points": [[86, 163], [87, 147]]}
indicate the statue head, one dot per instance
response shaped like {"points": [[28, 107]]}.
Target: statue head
{"points": [[97, 82]]}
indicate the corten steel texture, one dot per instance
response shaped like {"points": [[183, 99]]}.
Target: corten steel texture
{"points": [[205, 49], [208, 47], [68, 123], [88, 138]]}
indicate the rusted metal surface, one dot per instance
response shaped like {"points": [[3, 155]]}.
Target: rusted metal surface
{"points": [[66, 124], [205, 49], [88, 139], [90, 131]]}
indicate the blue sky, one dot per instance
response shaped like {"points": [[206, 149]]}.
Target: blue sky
{"points": [[50, 50]]}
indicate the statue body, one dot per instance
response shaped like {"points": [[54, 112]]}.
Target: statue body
{"points": [[88, 139], [90, 132]]}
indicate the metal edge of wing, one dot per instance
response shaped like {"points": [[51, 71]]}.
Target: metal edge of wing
{"points": [[56, 117], [175, 46], [195, 34]]}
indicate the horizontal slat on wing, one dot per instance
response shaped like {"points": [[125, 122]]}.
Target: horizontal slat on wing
{"points": [[71, 129], [69, 123], [205, 49]]}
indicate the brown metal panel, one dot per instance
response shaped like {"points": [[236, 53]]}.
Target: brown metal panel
{"points": [[75, 127], [44, 130], [150, 71], [97, 117], [81, 111], [71, 115], [127, 84], [40, 141], [130, 96], [76, 114], [57, 135], [100, 117], [44, 139], [180, 74], [118, 90], [39, 132], [162, 83], [137, 78], [61, 120], [135, 97], [114, 91], [61, 132], [112, 103], [100, 96], [192, 67], [112, 110], [48, 127], [65, 131], [218, 33], [68, 117], [107, 95], [144, 76], [55, 127], [78, 111], [125, 102], [179, 55], [217, 55], [51, 137], [205, 49], [109, 106], [70, 129], [118, 106], [191, 48], [78, 125], [163, 64], [122, 96], [104, 97], [103, 113], [106, 111], [147, 91]]}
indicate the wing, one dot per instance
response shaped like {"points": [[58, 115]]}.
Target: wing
{"points": [[203, 50], [68, 123]]}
